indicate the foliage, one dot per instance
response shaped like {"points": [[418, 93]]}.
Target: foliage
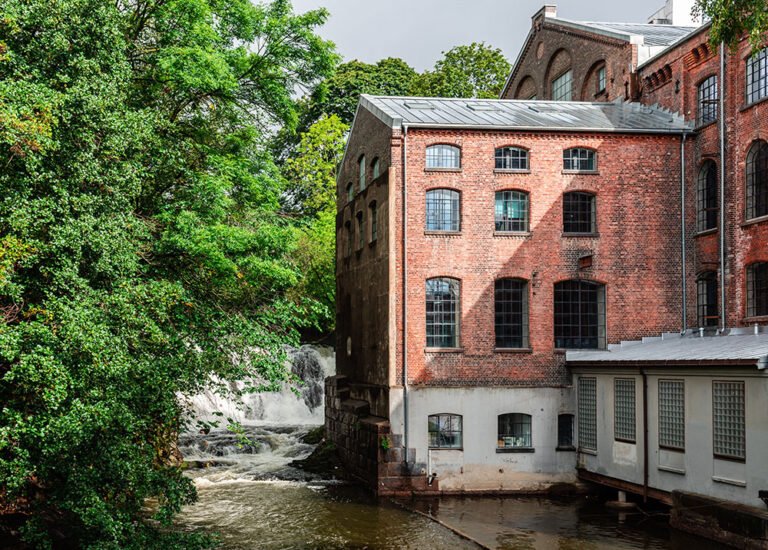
{"points": [[142, 249], [476, 70], [732, 19]]}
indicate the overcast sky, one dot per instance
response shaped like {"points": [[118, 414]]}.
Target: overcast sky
{"points": [[419, 30]]}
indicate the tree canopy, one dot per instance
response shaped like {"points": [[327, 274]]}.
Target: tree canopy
{"points": [[732, 19]]}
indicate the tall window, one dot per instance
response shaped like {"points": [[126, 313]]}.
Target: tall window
{"points": [[374, 221], [515, 431], [579, 159], [375, 168], [564, 431], [706, 286], [624, 409], [672, 414], [444, 156], [443, 313], [361, 162], [601, 79], [511, 211], [350, 192], [360, 231], [757, 76], [443, 210], [588, 413], [707, 101], [579, 315], [579, 213], [757, 180], [350, 239], [729, 436], [511, 313], [562, 87], [511, 158], [757, 289], [445, 431], [707, 191]]}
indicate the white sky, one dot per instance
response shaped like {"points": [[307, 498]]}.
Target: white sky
{"points": [[419, 30]]}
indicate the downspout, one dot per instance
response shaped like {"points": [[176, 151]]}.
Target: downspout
{"points": [[405, 296], [682, 234], [645, 435], [721, 107]]}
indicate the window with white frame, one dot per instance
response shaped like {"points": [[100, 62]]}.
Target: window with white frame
{"points": [[562, 87], [443, 312], [757, 76], [515, 431], [729, 437], [588, 413], [624, 409], [445, 431], [443, 210], [443, 156], [579, 159], [707, 101], [511, 158], [672, 414]]}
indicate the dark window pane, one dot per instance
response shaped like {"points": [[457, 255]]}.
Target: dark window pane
{"points": [[579, 213], [515, 430], [757, 289], [511, 211], [707, 299], [579, 159], [511, 313], [565, 430], [445, 431], [511, 158], [707, 191], [757, 76], [757, 180], [707, 105], [579, 315], [442, 313]]}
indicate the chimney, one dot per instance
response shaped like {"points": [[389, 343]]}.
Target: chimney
{"points": [[548, 10]]}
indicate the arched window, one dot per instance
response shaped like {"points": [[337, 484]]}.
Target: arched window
{"points": [[361, 163], [374, 221], [757, 180], [707, 202], [579, 213], [360, 231], [443, 210], [707, 101], [706, 291], [375, 167], [511, 211], [579, 315], [511, 158], [515, 431], [443, 156], [350, 192], [445, 431], [757, 76], [579, 159], [511, 313], [757, 289], [443, 313]]}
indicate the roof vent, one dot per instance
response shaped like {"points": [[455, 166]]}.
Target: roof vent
{"points": [[419, 105], [482, 107]]}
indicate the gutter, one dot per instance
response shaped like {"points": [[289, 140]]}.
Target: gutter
{"points": [[548, 129]]}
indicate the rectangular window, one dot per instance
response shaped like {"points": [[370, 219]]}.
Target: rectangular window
{"points": [[445, 431], [579, 315], [562, 87], [374, 222], [707, 104], [757, 289], [515, 431], [511, 211], [706, 287], [624, 409], [601, 79], [757, 76], [511, 313], [565, 431], [579, 213], [443, 156], [350, 239], [442, 313], [442, 210], [511, 158], [672, 414], [728, 420], [360, 231], [588, 413], [579, 159]]}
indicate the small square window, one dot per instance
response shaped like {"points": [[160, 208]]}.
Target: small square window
{"points": [[515, 431], [445, 431]]}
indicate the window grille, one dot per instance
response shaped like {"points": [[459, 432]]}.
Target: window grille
{"points": [[511, 158], [562, 87], [443, 156], [706, 286], [757, 76], [445, 431], [565, 430], [374, 222], [579, 213], [757, 289], [579, 315], [624, 409], [588, 413], [757, 180], [707, 104], [442, 210], [728, 419], [579, 159], [362, 172], [672, 414], [707, 199], [511, 211], [601, 80], [442, 313], [515, 431], [511, 313]]}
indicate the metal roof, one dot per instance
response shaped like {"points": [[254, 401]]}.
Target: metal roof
{"points": [[653, 35], [735, 348], [569, 116]]}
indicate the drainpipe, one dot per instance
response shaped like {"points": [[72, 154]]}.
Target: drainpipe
{"points": [[682, 232], [645, 435], [405, 295], [721, 107]]}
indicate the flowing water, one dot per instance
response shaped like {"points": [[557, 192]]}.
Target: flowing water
{"points": [[251, 496]]}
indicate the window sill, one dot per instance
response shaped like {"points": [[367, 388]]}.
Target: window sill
{"points": [[750, 105], [580, 235], [754, 221], [519, 234], [587, 451], [755, 319], [446, 448], [584, 172], [457, 170], [705, 232], [443, 350], [502, 450], [730, 459], [566, 448], [563, 350], [677, 471], [433, 233], [725, 480], [512, 350], [703, 125], [627, 441], [510, 171]]}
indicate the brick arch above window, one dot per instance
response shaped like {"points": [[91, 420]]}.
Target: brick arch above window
{"points": [[580, 159], [512, 158], [595, 82], [527, 88]]}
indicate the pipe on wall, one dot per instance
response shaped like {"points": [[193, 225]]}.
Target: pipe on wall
{"points": [[645, 434], [405, 295], [721, 106], [682, 235]]}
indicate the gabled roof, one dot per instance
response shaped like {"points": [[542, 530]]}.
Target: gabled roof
{"points": [[531, 115]]}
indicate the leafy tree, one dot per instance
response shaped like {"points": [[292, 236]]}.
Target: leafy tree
{"points": [[732, 19], [476, 70], [142, 249]]}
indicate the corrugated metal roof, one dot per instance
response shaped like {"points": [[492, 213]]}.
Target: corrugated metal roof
{"points": [[737, 348], [653, 35], [524, 115]]}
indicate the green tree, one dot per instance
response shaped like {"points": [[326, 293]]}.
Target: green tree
{"points": [[732, 19], [476, 70], [142, 249]]}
